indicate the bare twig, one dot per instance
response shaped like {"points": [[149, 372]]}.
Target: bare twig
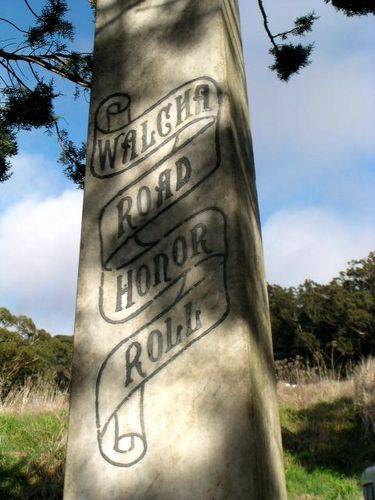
{"points": [[31, 9], [12, 74], [285, 33], [34, 73], [12, 24]]}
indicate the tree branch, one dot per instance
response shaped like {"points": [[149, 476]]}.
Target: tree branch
{"points": [[285, 33], [266, 27], [40, 61]]}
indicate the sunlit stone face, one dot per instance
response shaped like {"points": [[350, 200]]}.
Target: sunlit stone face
{"points": [[173, 393]]}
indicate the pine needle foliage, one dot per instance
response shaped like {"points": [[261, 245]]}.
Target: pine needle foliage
{"points": [[290, 58], [27, 109], [51, 23], [73, 158], [8, 148], [354, 7]]}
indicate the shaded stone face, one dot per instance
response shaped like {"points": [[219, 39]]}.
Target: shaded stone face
{"points": [[173, 392]]}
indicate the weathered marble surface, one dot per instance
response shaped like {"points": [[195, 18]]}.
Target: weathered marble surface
{"points": [[173, 394]]}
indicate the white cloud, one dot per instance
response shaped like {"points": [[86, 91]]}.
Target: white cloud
{"points": [[328, 111], [39, 259], [33, 176], [313, 136], [312, 244]]}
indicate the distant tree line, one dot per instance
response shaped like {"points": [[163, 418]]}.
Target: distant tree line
{"points": [[333, 322], [28, 354]]}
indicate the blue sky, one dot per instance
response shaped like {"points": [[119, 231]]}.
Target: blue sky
{"points": [[314, 155]]}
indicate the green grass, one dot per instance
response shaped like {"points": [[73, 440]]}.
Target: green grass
{"points": [[325, 452], [318, 483], [32, 449]]}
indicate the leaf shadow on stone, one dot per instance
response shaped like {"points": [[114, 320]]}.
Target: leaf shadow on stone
{"points": [[179, 21], [245, 272], [244, 265]]}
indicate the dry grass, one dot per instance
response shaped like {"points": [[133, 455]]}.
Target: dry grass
{"points": [[304, 395], [34, 397], [298, 371], [300, 386], [364, 382]]}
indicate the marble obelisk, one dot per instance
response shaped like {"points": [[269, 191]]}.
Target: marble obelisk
{"points": [[173, 393]]}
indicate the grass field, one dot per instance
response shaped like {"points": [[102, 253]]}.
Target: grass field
{"points": [[32, 452], [325, 451], [326, 445]]}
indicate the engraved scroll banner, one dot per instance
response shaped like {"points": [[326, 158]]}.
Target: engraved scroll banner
{"points": [[121, 144], [198, 303], [173, 272]]}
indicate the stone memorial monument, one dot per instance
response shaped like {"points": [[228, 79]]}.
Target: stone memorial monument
{"points": [[173, 392]]}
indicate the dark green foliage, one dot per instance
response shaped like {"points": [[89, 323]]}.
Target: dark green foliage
{"points": [[68, 339], [289, 59], [304, 24], [26, 109], [79, 65], [354, 7], [43, 49], [334, 321], [8, 148], [284, 315], [27, 353], [51, 23], [74, 159]]}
